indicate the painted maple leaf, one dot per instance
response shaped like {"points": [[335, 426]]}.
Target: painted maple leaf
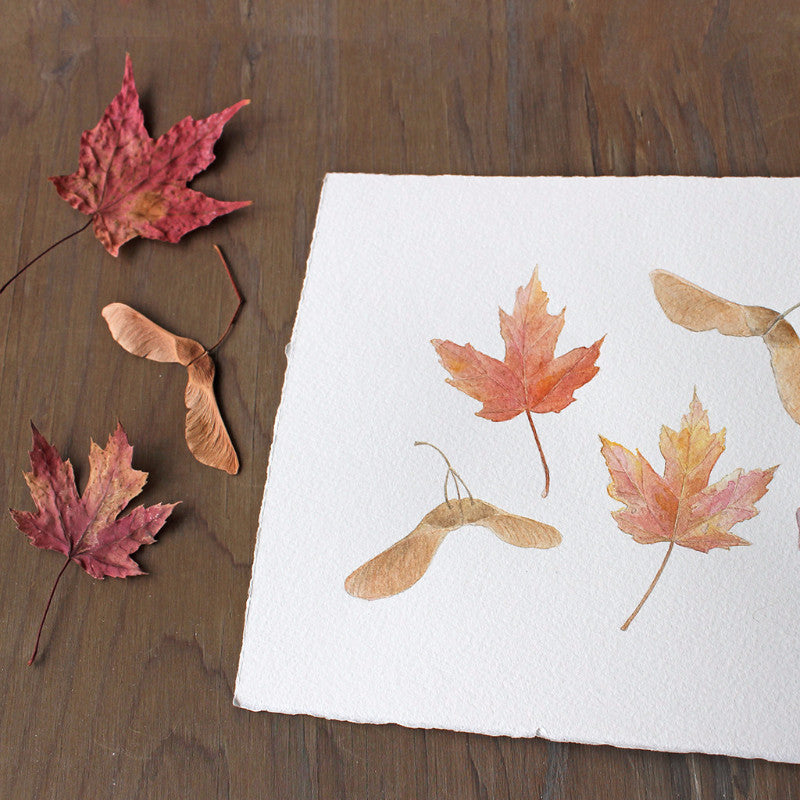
{"points": [[87, 529], [132, 185], [681, 507], [530, 379]]}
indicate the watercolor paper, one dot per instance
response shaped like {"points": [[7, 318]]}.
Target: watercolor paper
{"points": [[595, 538]]}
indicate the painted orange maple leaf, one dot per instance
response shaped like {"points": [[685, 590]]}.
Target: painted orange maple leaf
{"points": [[530, 378], [680, 507], [132, 185]]}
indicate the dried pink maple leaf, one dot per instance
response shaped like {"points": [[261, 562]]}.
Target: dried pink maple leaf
{"points": [[87, 529], [132, 185]]}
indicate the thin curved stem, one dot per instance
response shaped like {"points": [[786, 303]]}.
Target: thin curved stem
{"points": [[46, 609], [649, 589], [456, 479], [780, 317], [43, 253], [450, 471], [446, 459], [541, 455], [240, 300], [458, 494]]}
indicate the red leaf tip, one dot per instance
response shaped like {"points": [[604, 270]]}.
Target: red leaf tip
{"points": [[38, 441]]}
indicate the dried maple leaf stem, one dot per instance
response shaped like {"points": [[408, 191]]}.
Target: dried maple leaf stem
{"points": [[43, 253], [541, 455], [235, 313], [46, 609], [650, 588]]}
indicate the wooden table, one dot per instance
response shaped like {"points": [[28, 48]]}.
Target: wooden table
{"points": [[131, 696]]}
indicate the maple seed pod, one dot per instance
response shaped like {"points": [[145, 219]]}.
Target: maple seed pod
{"points": [[206, 435], [697, 309], [400, 566]]}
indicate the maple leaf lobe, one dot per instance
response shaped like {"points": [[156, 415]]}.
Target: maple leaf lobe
{"points": [[530, 333], [132, 185], [482, 377], [51, 482], [87, 529]]}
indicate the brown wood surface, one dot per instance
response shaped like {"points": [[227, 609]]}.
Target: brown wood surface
{"points": [[131, 697]]}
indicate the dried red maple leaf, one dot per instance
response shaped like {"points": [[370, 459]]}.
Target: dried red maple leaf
{"points": [[132, 185], [86, 529], [530, 378], [680, 507]]}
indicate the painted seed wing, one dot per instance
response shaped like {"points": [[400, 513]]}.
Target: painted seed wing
{"points": [[521, 531], [398, 568], [696, 309], [691, 307], [784, 352], [405, 562]]}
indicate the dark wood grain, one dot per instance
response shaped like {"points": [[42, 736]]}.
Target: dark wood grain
{"points": [[131, 697]]}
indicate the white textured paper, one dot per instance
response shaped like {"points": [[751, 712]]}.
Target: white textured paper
{"points": [[497, 639]]}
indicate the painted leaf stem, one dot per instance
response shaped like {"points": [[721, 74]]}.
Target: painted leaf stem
{"points": [[650, 588], [546, 469]]}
